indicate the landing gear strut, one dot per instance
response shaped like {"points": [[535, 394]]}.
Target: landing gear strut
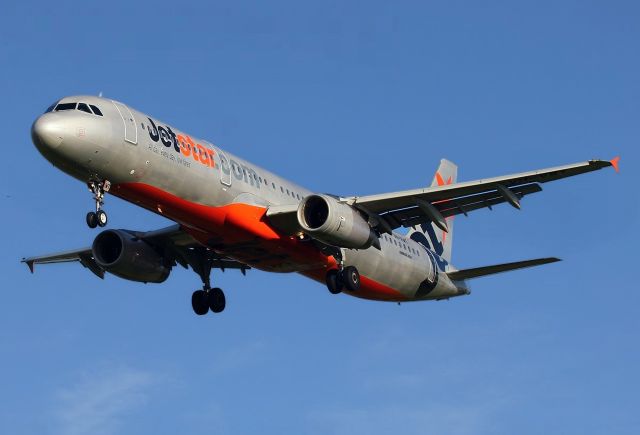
{"points": [[208, 298], [98, 217]]}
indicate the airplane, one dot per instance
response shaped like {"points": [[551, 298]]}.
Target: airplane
{"points": [[232, 214]]}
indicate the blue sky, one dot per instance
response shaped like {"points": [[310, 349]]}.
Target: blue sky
{"points": [[348, 98]]}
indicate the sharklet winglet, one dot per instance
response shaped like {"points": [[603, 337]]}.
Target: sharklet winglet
{"points": [[615, 162]]}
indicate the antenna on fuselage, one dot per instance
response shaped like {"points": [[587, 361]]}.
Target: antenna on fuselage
{"points": [[100, 94]]}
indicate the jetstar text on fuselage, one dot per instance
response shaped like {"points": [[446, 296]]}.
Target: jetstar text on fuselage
{"points": [[181, 144], [204, 155]]}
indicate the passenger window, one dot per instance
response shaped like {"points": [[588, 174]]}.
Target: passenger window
{"points": [[83, 107], [65, 106], [281, 189], [273, 185], [95, 110]]}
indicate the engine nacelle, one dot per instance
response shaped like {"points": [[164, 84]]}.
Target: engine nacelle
{"points": [[335, 223], [128, 257]]}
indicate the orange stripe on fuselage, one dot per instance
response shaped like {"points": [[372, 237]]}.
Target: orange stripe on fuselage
{"points": [[240, 232]]}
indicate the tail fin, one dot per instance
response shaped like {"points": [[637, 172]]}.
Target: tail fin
{"points": [[429, 234]]}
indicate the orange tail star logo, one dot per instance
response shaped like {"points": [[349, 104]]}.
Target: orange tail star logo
{"points": [[441, 182]]}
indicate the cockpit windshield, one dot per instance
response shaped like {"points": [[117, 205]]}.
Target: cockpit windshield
{"points": [[83, 107], [65, 106], [50, 108]]}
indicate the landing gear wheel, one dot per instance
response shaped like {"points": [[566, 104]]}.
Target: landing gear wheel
{"points": [[101, 218], [334, 282], [98, 188], [92, 219], [351, 278], [200, 302], [217, 301]]}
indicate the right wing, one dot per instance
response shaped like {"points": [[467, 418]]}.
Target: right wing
{"points": [[175, 245], [408, 208], [417, 206]]}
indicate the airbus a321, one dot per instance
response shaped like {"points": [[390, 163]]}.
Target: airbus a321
{"points": [[232, 214]]}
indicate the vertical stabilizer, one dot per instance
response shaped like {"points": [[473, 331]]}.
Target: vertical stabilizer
{"points": [[429, 234]]}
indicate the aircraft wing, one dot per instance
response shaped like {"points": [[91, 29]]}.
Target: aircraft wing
{"points": [[175, 244], [389, 211], [455, 192]]}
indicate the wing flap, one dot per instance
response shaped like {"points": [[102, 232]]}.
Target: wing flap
{"points": [[477, 272]]}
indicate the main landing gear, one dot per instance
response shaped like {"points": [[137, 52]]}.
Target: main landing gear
{"points": [[346, 279], [98, 217], [208, 298]]}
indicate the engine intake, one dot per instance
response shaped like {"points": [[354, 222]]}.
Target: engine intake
{"points": [[124, 255], [335, 223]]}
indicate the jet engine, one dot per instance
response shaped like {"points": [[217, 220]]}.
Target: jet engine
{"points": [[335, 223], [124, 255]]}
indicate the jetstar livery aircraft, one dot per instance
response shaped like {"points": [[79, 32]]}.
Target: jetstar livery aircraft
{"points": [[231, 214]]}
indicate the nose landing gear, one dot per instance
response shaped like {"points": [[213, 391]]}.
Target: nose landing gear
{"points": [[98, 217]]}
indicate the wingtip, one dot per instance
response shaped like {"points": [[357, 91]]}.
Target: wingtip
{"points": [[29, 264], [615, 162]]}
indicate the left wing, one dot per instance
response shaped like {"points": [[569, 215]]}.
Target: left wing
{"points": [[175, 244], [389, 211]]}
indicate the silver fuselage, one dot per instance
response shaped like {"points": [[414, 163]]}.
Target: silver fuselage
{"points": [[132, 149]]}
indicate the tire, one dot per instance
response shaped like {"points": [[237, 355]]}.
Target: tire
{"points": [[92, 220], [351, 278], [200, 302], [217, 301], [334, 283], [101, 218]]}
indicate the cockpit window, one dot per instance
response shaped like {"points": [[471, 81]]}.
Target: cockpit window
{"points": [[84, 107], [65, 106], [95, 110], [50, 108]]}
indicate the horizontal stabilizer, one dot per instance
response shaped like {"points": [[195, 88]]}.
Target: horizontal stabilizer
{"points": [[476, 272]]}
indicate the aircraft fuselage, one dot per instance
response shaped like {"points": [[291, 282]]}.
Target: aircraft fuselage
{"points": [[221, 199]]}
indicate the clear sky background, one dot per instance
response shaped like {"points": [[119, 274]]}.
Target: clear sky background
{"points": [[348, 98]]}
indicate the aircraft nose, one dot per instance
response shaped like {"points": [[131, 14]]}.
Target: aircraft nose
{"points": [[47, 132]]}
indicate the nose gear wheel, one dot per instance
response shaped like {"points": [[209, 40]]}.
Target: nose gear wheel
{"points": [[98, 217]]}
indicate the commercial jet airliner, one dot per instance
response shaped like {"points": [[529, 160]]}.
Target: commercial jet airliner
{"points": [[232, 214]]}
